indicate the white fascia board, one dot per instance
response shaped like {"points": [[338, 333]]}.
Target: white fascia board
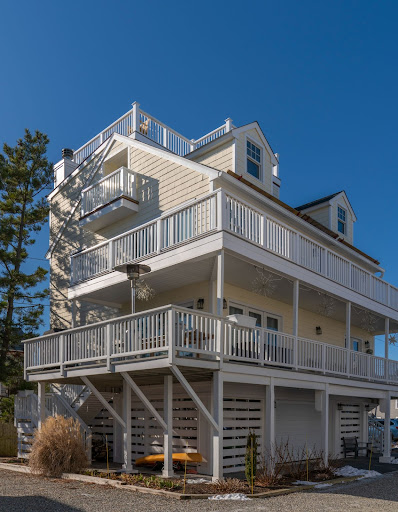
{"points": [[306, 225], [242, 129]]}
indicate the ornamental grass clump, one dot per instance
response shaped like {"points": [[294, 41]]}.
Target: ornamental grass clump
{"points": [[58, 448]]}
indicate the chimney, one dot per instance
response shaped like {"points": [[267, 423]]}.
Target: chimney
{"points": [[67, 153], [64, 167]]}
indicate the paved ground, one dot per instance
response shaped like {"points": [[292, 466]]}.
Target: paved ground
{"points": [[26, 493]]}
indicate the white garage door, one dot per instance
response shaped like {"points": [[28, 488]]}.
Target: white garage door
{"points": [[299, 424]]}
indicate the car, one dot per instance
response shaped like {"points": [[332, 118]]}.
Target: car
{"points": [[393, 426]]}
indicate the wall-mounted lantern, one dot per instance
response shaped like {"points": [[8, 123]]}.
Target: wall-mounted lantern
{"points": [[200, 304], [318, 330]]}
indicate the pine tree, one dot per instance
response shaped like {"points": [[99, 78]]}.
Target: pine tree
{"points": [[25, 174]]}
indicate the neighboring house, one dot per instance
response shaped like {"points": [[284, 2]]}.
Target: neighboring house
{"points": [[263, 316]]}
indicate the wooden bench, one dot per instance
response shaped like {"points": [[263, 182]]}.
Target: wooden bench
{"points": [[351, 445]]}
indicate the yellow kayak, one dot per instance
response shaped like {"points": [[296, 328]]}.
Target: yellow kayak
{"points": [[177, 457]]}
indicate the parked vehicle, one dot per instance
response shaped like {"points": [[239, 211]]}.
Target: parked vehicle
{"points": [[393, 427]]}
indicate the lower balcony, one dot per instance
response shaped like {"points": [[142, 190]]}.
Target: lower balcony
{"points": [[109, 200], [171, 334]]}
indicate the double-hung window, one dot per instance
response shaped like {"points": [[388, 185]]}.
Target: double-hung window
{"points": [[341, 220], [253, 160]]}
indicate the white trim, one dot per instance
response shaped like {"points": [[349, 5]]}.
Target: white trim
{"points": [[242, 129], [103, 401]]}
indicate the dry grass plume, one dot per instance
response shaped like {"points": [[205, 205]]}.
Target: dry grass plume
{"points": [[58, 448]]}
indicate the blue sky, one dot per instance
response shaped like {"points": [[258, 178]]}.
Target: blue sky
{"points": [[320, 77]]}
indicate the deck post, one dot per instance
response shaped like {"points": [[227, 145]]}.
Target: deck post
{"points": [[118, 430], [220, 282], [168, 433], [41, 403], [269, 437], [324, 395], [296, 293], [386, 405], [218, 415], [127, 430]]}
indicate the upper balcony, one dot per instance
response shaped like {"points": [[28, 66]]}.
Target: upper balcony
{"points": [[220, 211], [109, 200]]}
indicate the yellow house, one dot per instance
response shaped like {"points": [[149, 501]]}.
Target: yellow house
{"points": [[190, 304]]}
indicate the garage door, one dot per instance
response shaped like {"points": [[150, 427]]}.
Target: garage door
{"points": [[299, 424]]}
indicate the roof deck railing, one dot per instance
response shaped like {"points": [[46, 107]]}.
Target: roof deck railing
{"points": [[136, 120]]}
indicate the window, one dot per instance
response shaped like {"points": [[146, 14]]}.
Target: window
{"points": [[263, 319], [341, 220], [253, 160]]}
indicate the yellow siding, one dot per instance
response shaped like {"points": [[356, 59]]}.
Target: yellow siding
{"points": [[219, 158], [161, 185], [321, 215]]}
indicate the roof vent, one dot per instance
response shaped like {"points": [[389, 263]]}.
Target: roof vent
{"points": [[67, 153]]}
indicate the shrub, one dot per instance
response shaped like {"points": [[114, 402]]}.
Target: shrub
{"points": [[227, 486], [58, 448], [251, 457]]}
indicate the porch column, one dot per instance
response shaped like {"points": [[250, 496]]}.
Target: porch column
{"points": [[269, 436], [296, 293], [348, 334], [218, 415], [127, 431], [386, 337], [386, 405], [117, 430], [168, 434], [41, 403], [348, 325], [324, 405], [220, 282]]}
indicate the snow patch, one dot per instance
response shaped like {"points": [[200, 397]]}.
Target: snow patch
{"points": [[198, 481], [235, 497], [350, 471], [304, 482], [322, 486]]}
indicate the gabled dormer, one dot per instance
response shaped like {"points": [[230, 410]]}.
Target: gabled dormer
{"points": [[246, 152], [335, 212]]}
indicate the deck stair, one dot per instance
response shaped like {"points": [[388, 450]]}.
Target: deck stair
{"points": [[71, 401]]}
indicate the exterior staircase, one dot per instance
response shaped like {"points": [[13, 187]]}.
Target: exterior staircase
{"points": [[69, 400], [376, 434]]}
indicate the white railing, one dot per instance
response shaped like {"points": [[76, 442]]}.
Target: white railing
{"points": [[121, 182], [135, 120], [172, 331], [224, 211], [193, 220]]}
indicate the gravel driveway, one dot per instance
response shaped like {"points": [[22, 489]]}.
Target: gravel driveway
{"points": [[26, 493]]}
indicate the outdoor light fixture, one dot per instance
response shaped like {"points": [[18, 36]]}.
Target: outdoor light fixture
{"points": [[367, 343], [224, 303], [318, 330], [200, 304], [339, 406], [133, 271]]}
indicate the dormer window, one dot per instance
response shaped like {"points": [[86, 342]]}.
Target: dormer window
{"points": [[341, 220], [253, 160]]}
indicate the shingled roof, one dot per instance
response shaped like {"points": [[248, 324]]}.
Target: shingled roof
{"points": [[317, 201]]}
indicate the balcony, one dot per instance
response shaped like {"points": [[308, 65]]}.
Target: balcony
{"points": [[109, 200], [180, 335], [220, 211]]}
